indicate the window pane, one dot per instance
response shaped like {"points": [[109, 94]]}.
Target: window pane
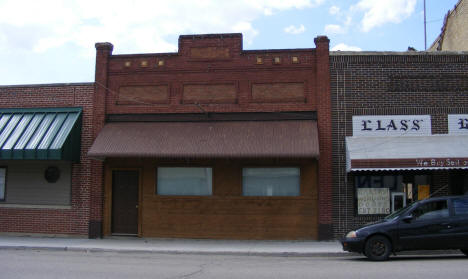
{"points": [[431, 210], [184, 181], [271, 181], [2, 183], [460, 206]]}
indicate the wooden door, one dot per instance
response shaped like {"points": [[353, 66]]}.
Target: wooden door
{"points": [[125, 202]]}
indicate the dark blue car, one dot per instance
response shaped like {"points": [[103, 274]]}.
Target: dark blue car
{"points": [[435, 223]]}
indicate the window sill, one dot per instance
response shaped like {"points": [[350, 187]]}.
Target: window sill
{"points": [[34, 206]]}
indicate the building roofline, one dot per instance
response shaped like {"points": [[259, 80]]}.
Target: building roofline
{"points": [[47, 85], [205, 36], [401, 53], [248, 51]]}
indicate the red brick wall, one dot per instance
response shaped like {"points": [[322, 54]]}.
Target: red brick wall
{"points": [[239, 69], [55, 221], [362, 83], [325, 138], [103, 51]]}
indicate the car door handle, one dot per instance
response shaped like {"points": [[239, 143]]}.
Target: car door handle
{"points": [[447, 225]]}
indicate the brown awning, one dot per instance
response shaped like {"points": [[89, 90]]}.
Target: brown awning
{"points": [[220, 139]]}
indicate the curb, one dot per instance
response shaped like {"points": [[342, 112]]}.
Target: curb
{"points": [[220, 252], [180, 252]]}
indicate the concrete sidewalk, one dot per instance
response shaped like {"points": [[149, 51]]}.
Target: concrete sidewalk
{"points": [[176, 246]]}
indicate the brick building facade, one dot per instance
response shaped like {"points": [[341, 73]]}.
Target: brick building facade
{"points": [[237, 122], [26, 206], [208, 112], [453, 36], [225, 120], [378, 88]]}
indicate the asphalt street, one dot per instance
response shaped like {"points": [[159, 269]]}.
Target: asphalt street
{"points": [[80, 264]]}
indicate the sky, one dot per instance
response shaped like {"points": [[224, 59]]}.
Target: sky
{"points": [[52, 41]]}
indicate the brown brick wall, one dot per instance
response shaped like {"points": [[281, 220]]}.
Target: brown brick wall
{"points": [[389, 84], [55, 221]]}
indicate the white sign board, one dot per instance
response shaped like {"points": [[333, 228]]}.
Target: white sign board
{"points": [[458, 124], [373, 201], [391, 125]]}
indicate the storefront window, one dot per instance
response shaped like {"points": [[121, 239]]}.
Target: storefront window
{"points": [[387, 193], [184, 181], [458, 182], [271, 181], [2, 183]]}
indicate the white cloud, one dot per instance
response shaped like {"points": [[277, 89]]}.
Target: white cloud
{"points": [[380, 12], [295, 30], [334, 29], [344, 47], [334, 10], [132, 26]]}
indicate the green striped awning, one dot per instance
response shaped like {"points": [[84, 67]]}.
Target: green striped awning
{"points": [[40, 134]]}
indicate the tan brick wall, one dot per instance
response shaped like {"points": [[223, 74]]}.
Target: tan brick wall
{"points": [[455, 36]]}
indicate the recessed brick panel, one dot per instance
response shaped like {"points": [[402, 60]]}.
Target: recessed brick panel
{"points": [[428, 83], [209, 52], [143, 95], [278, 92], [210, 93]]}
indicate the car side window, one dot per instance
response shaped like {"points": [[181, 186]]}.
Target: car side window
{"points": [[431, 210], [460, 206]]}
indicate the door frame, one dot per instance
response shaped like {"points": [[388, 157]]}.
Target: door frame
{"points": [[107, 213]]}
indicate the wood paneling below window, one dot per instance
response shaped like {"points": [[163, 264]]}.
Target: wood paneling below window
{"points": [[226, 214]]}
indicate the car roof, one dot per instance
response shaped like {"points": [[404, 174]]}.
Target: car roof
{"points": [[443, 198]]}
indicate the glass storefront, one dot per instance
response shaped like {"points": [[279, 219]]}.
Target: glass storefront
{"points": [[386, 192], [458, 182]]}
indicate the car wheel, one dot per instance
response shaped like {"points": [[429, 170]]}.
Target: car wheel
{"points": [[378, 248], [465, 251]]}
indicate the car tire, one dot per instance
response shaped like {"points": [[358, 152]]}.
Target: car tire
{"points": [[378, 248], [464, 251]]}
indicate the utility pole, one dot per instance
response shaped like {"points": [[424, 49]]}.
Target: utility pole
{"points": [[425, 34]]}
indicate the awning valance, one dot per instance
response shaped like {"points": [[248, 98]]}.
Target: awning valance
{"points": [[40, 134], [216, 139], [405, 152]]}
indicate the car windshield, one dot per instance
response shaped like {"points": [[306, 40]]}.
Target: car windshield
{"points": [[400, 212]]}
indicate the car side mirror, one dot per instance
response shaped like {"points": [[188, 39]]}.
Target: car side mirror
{"points": [[408, 218]]}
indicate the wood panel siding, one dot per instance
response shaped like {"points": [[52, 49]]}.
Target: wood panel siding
{"points": [[226, 214]]}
